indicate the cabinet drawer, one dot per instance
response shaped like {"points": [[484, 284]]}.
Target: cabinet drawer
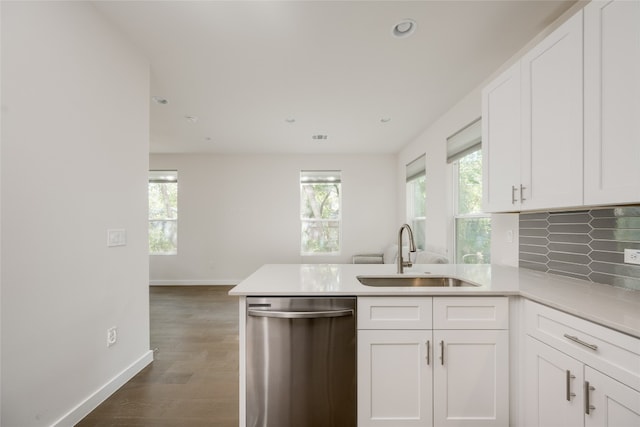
{"points": [[609, 351], [394, 312], [471, 313]]}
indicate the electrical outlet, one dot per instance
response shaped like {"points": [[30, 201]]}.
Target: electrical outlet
{"points": [[632, 256], [112, 336]]}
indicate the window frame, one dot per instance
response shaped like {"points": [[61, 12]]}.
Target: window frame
{"points": [[415, 170], [456, 208], [337, 220], [172, 178]]}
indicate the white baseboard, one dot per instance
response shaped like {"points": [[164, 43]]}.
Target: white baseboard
{"points": [[212, 282], [93, 401]]}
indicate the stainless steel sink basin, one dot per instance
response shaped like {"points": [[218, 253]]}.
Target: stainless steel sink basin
{"points": [[413, 281]]}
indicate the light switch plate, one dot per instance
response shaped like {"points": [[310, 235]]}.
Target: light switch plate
{"points": [[116, 237], [632, 256]]}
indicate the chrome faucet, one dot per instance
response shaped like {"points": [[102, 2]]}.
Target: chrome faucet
{"points": [[412, 248]]}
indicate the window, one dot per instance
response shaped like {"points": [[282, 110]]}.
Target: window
{"points": [[163, 212], [320, 212], [472, 227], [416, 199]]}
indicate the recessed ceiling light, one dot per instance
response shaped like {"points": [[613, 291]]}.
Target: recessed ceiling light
{"points": [[159, 100], [319, 137], [385, 119], [208, 138], [191, 119], [290, 120], [404, 28]]}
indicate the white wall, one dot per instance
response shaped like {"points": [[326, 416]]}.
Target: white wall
{"points": [[238, 212], [74, 164]]}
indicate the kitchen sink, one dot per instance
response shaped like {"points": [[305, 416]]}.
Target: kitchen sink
{"points": [[413, 281]]}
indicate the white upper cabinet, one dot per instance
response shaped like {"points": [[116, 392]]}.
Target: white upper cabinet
{"points": [[612, 102], [575, 115], [533, 127], [501, 142], [551, 162]]}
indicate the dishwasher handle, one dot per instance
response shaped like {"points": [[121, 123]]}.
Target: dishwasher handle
{"points": [[300, 314]]}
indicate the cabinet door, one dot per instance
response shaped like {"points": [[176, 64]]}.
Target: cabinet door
{"points": [[394, 378], [611, 403], [471, 378], [552, 106], [553, 387], [501, 142], [612, 102]]}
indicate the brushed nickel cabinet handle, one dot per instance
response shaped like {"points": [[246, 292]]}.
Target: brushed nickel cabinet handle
{"points": [[579, 341], [513, 194], [588, 407], [428, 352], [569, 378], [442, 353], [522, 188]]}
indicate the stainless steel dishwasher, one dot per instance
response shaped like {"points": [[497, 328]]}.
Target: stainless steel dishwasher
{"points": [[301, 362]]}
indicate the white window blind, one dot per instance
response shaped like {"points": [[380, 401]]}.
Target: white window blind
{"points": [[161, 177], [320, 177], [465, 141], [416, 168]]}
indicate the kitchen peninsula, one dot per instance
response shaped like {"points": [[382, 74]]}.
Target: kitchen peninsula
{"points": [[535, 313], [609, 306]]}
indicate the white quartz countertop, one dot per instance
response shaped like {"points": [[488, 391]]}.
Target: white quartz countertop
{"points": [[609, 306]]}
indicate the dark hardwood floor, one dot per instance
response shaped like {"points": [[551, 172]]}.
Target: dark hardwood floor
{"points": [[193, 380]]}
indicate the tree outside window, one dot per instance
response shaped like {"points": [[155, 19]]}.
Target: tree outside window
{"points": [[320, 212], [472, 226], [163, 212]]}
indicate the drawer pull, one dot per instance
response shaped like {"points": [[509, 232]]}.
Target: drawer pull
{"points": [[579, 341], [569, 378], [588, 407]]}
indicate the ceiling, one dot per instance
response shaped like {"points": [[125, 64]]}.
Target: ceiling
{"points": [[315, 76]]}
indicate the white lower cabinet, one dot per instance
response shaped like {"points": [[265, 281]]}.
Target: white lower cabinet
{"points": [[554, 386], [471, 378], [394, 378], [561, 391], [412, 375], [577, 373], [611, 403]]}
